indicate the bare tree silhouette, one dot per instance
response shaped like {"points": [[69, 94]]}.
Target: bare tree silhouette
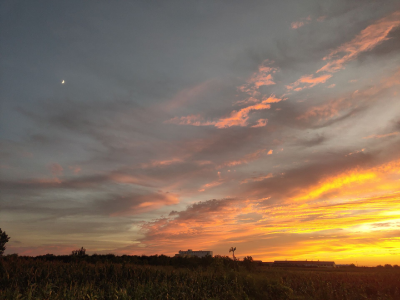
{"points": [[233, 249]]}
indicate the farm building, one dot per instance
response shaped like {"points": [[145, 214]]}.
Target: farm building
{"points": [[191, 253], [304, 264]]}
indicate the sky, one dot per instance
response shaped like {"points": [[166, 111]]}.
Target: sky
{"points": [[149, 127]]}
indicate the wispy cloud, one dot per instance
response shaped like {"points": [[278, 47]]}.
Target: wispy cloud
{"points": [[261, 78], [308, 81], [257, 178], [245, 159], [236, 118], [368, 38], [379, 136], [298, 24]]}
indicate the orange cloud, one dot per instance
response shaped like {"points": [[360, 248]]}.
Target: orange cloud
{"points": [[159, 163], [210, 185], [244, 160], [379, 136], [240, 117], [144, 203], [327, 110], [271, 232], [257, 178], [308, 81], [258, 79], [356, 177], [368, 38], [296, 25], [333, 107], [299, 24]]}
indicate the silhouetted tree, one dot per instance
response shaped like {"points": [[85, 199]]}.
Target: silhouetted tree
{"points": [[248, 262], [233, 249], [4, 238], [79, 252], [388, 266]]}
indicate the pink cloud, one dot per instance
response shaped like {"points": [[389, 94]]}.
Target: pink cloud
{"points": [[298, 24], [210, 185], [240, 117], [334, 107], [379, 136], [160, 163], [146, 203], [260, 78], [244, 160], [368, 38], [257, 178], [236, 117], [308, 81]]}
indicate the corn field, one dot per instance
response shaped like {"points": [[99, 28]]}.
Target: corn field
{"points": [[36, 279]]}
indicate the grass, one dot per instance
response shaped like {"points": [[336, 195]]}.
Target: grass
{"points": [[22, 278]]}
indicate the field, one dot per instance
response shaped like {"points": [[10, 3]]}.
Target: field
{"points": [[215, 278]]}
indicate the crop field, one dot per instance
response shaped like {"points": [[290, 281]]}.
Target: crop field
{"points": [[23, 278]]}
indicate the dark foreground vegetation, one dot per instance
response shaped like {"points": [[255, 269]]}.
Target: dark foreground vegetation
{"points": [[162, 277]]}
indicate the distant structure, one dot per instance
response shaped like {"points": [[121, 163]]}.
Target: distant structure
{"points": [[304, 264], [191, 253]]}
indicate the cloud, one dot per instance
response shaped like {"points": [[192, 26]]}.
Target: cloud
{"points": [[75, 169], [257, 178], [308, 81], [161, 163], [368, 38], [136, 204], [240, 117], [298, 24], [352, 101], [261, 78], [210, 185], [379, 136], [261, 123], [246, 159], [236, 117], [56, 169]]}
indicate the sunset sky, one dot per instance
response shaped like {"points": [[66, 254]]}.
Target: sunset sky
{"points": [[149, 127]]}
